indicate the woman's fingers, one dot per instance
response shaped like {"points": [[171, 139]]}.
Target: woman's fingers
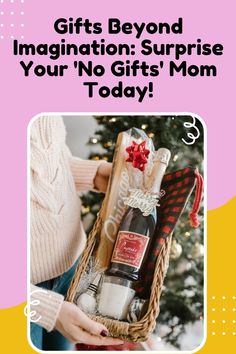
{"points": [[89, 325], [81, 336], [76, 326], [102, 176], [105, 169]]}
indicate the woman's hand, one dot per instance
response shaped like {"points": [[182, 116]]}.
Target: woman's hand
{"points": [[73, 324], [102, 176]]}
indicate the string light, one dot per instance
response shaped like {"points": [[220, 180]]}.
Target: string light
{"points": [[151, 135], [112, 120], [96, 158], [175, 158], [85, 210], [144, 126], [187, 234], [94, 140], [108, 144]]}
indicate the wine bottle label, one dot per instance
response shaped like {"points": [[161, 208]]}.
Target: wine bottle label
{"points": [[145, 201], [130, 248]]}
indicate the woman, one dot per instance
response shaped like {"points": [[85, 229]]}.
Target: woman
{"points": [[58, 238]]}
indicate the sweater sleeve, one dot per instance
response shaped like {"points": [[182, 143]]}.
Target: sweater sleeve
{"points": [[84, 172], [45, 306]]}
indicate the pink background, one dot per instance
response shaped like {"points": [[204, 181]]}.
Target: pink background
{"points": [[22, 98]]}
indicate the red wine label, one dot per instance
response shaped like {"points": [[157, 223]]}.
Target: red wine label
{"points": [[130, 248]]}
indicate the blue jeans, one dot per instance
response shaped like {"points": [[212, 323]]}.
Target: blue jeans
{"points": [[53, 340]]}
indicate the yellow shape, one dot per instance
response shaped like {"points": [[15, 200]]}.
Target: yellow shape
{"points": [[13, 327], [221, 299]]}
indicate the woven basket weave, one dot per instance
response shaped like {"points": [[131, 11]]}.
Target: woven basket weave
{"points": [[137, 331]]}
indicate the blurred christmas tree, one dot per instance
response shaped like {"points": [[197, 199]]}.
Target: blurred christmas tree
{"points": [[182, 298]]}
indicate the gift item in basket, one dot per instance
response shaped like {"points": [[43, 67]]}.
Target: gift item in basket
{"points": [[87, 300], [140, 221], [178, 187], [115, 297], [137, 309]]}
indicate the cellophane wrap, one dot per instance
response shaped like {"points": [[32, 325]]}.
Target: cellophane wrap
{"points": [[124, 177]]}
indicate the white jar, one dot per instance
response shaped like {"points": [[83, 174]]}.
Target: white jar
{"points": [[115, 297]]}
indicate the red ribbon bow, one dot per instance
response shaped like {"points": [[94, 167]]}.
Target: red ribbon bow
{"points": [[138, 155]]}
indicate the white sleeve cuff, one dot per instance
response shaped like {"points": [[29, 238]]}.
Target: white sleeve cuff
{"points": [[84, 172], [45, 306]]}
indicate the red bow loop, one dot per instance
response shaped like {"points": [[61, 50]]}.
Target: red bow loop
{"points": [[138, 155]]}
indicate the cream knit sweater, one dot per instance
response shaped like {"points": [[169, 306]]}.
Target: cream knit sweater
{"points": [[57, 235]]}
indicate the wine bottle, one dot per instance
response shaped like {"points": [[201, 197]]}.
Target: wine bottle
{"points": [[139, 223]]}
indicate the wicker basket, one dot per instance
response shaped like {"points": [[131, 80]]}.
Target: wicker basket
{"points": [[138, 331]]}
